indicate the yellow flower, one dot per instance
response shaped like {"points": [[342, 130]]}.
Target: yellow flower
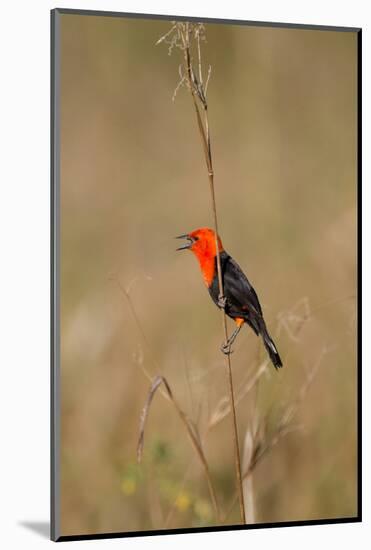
{"points": [[183, 501], [128, 486]]}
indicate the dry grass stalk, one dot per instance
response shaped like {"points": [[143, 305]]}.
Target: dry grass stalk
{"points": [[223, 408], [191, 431], [248, 487], [167, 394], [257, 442], [262, 441], [125, 291], [293, 323], [181, 36]]}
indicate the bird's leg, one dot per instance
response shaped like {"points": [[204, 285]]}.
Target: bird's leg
{"points": [[222, 301], [226, 347]]}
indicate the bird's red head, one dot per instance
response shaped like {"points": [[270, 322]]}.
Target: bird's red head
{"points": [[202, 243]]}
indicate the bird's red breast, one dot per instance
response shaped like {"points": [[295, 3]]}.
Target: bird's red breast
{"points": [[204, 248]]}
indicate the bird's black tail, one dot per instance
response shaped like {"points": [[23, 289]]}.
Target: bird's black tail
{"points": [[271, 348]]}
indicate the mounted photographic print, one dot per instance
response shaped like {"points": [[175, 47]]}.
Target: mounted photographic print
{"points": [[205, 205]]}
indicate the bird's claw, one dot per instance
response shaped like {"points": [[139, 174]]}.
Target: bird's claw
{"points": [[222, 300], [226, 349]]}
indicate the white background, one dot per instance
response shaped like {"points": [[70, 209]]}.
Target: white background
{"points": [[24, 267]]}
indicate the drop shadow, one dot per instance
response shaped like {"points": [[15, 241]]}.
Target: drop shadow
{"points": [[42, 528]]}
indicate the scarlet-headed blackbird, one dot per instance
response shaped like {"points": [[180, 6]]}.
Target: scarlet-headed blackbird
{"points": [[240, 300]]}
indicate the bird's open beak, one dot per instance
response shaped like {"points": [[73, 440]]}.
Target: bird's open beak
{"points": [[188, 244]]}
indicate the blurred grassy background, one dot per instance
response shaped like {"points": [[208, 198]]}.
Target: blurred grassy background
{"points": [[283, 122]]}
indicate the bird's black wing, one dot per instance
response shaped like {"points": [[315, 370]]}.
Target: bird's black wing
{"points": [[241, 298], [242, 302], [240, 294]]}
